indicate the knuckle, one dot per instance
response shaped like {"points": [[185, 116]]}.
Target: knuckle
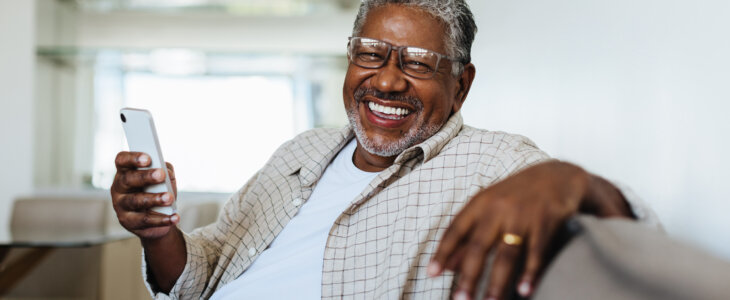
{"points": [[469, 273], [476, 247], [459, 227], [124, 181], [123, 220], [136, 201], [499, 204], [121, 202], [145, 201], [508, 254], [119, 159]]}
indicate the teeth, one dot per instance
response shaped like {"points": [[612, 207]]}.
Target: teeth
{"points": [[388, 110]]}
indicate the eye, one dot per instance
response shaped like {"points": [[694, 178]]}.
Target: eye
{"points": [[418, 66], [369, 56]]}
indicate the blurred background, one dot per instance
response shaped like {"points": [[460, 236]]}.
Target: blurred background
{"points": [[636, 91]]}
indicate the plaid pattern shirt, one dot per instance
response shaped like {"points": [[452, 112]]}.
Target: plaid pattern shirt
{"points": [[381, 245]]}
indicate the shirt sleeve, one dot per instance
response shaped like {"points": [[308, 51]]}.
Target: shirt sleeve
{"points": [[520, 153], [203, 247]]}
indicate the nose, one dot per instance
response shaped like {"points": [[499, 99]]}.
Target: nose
{"points": [[390, 78]]}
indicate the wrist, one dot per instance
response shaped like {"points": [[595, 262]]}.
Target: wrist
{"points": [[152, 242]]}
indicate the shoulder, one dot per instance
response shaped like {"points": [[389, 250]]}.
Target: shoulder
{"points": [[308, 139], [312, 138], [306, 146], [495, 149], [492, 141]]}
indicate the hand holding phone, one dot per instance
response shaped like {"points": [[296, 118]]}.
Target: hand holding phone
{"points": [[141, 134]]}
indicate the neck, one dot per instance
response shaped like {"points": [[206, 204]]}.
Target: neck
{"points": [[369, 162]]}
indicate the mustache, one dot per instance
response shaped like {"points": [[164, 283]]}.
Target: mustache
{"points": [[361, 92]]}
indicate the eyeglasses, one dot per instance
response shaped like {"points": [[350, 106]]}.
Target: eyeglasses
{"points": [[413, 61]]}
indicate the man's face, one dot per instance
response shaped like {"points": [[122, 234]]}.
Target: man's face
{"points": [[370, 93]]}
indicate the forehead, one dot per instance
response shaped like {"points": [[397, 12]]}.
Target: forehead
{"points": [[402, 25]]}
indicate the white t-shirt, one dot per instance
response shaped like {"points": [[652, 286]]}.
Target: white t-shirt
{"points": [[291, 268]]}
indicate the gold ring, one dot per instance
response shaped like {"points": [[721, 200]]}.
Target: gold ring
{"points": [[512, 239]]}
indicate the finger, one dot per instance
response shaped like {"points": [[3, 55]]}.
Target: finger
{"points": [[144, 201], [472, 266], [171, 173], [610, 210], [145, 220], [455, 233], [133, 180], [453, 263], [536, 248], [132, 160], [503, 270]]}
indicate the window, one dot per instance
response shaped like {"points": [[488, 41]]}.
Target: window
{"points": [[217, 129]]}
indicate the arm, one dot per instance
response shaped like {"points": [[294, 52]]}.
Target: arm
{"points": [[165, 258], [175, 263], [531, 205], [161, 239]]}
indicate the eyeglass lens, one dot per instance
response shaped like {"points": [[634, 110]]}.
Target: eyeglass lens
{"points": [[373, 54]]}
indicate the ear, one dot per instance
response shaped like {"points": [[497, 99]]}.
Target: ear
{"points": [[463, 85]]}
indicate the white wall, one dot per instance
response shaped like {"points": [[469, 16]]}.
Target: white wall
{"points": [[64, 106], [632, 90], [17, 48], [217, 32], [637, 91]]}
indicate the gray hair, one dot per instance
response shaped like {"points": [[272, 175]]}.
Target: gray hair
{"points": [[455, 14]]}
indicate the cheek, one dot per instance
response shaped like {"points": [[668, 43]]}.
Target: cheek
{"points": [[348, 87], [438, 105]]}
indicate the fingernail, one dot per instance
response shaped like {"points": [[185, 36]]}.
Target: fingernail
{"points": [[524, 289], [174, 218], [143, 159], [157, 174], [433, 269], [165, 198], [461, 295]]}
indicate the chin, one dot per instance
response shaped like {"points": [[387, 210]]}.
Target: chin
{"points": [[384, 146]]}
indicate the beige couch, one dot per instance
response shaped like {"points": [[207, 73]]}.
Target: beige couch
{"points": [[109, 271]]}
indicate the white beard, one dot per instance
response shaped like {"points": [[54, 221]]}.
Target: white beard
{"points": [[415, 135]]}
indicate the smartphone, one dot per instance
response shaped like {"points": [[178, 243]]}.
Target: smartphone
{"points": [[141, 134]]}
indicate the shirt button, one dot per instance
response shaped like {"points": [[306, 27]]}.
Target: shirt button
{"points": [[251, 251], [297, 201]]}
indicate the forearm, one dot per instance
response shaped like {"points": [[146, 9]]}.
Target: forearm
{"points": [[166, 258]]}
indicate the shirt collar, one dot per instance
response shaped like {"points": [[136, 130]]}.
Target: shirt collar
{"points": [[315, 154], [433, 145]]}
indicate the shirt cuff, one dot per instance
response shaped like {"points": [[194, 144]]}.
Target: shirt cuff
{"points": [[196, 266]]}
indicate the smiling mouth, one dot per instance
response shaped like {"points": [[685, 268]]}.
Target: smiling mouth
{"points": [[388, 112]]}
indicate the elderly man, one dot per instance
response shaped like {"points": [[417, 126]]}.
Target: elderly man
{"points": [[381, 208]]}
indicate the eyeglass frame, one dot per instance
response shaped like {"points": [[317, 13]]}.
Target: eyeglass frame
{"points": [[398, 49]]}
